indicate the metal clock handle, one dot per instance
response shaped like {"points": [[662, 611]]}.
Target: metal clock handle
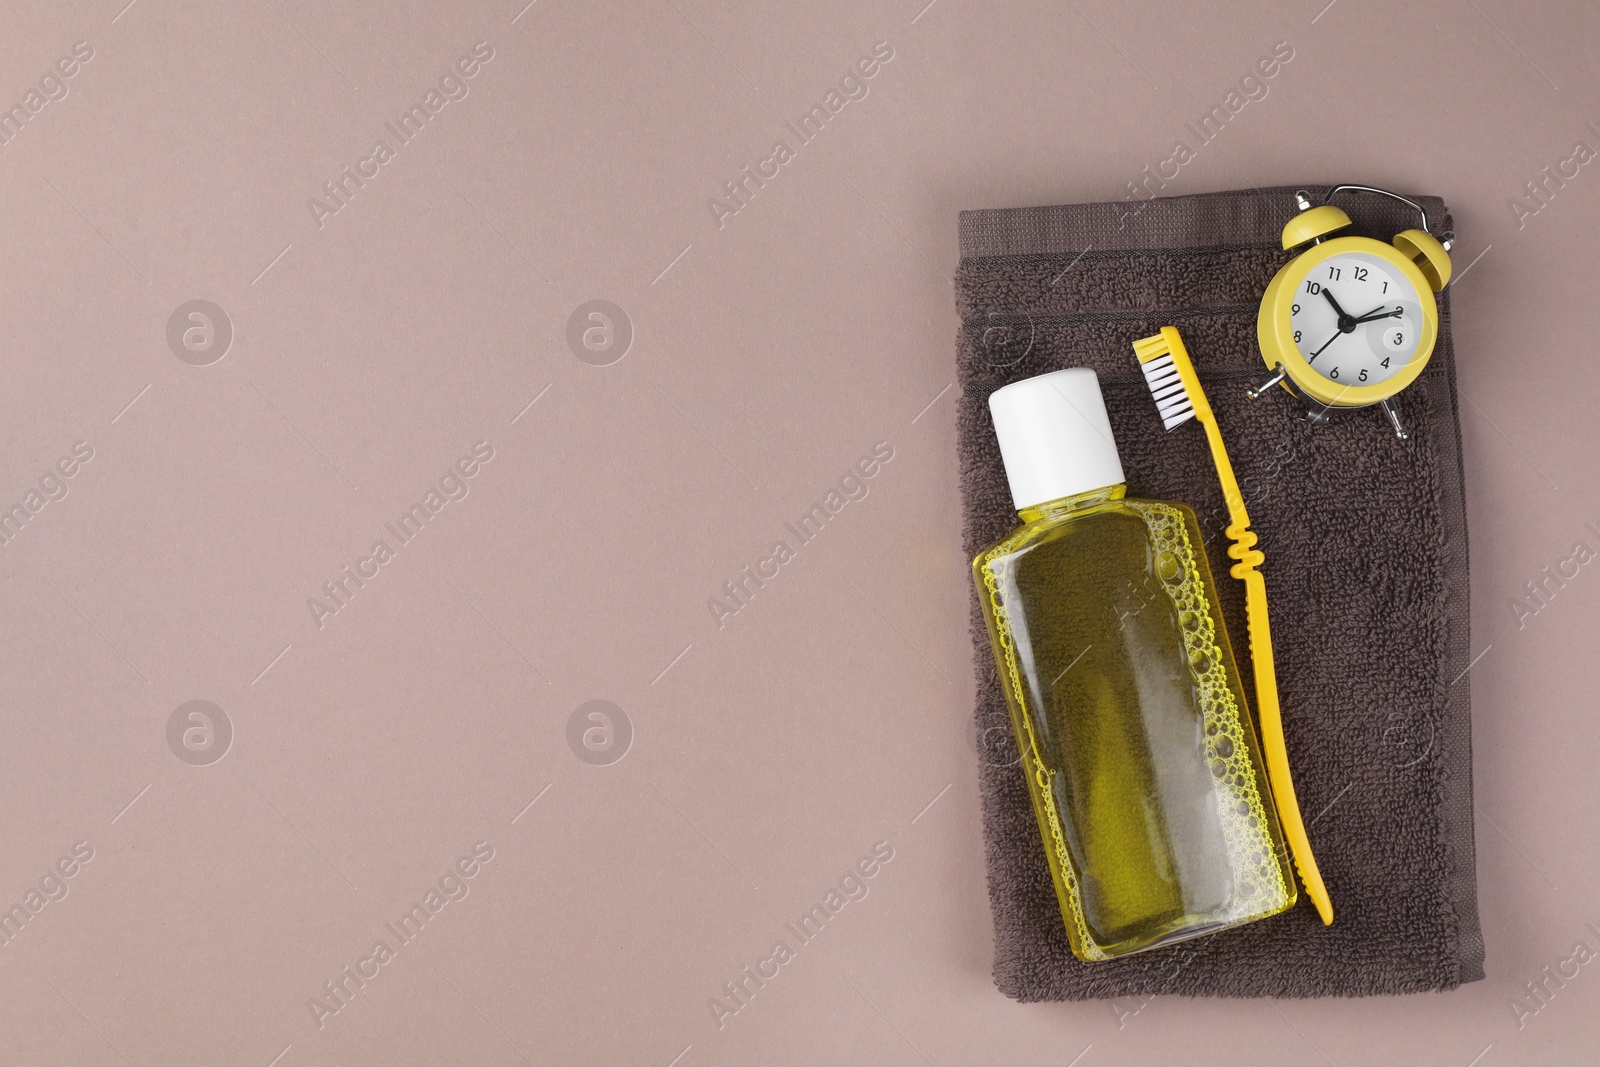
{"points": [[1303, 200], [1337, 189]]}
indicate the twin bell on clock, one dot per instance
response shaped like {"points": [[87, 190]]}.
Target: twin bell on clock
{"points": [[1351, 321]]}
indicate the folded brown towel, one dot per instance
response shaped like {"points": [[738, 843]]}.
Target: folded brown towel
{"points": [[1366, 564]]}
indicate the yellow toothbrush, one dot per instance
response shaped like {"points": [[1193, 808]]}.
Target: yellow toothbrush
{"points": [[1179, 398]]}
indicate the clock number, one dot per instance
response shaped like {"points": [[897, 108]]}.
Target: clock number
{"points": [[1297, 337], [1361, 274], [1313, 288], [1363, 376], [1397, 313], [1399, 339], [1385, 361], [1334, 374], [1386, 287], [1294, 309], [1333, 272]]}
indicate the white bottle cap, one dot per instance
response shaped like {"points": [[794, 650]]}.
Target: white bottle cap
{"points": [[1054, 436]]}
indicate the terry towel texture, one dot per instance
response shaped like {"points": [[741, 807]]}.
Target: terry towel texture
{"points": [[1366, 565]]}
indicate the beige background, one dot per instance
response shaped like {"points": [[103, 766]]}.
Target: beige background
{"points": [[833, 711]]}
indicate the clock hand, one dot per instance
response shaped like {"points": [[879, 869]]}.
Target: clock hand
{"points": [[1379, 312], [1313, 357], [1343, 315]]}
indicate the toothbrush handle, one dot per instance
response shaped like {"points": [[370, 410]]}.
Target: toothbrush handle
{"points": [[1271, 720], [1247, 558]]}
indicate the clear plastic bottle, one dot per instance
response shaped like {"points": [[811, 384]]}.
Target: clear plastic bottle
{"points": [[1136, 739]]}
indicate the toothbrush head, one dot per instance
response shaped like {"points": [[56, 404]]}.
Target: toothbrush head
{"points": [[1170, 376]]}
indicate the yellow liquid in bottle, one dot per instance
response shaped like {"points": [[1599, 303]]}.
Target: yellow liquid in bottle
{"points": [[1136, 740]]}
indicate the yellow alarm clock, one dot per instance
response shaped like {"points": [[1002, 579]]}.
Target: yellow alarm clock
{"points": [[1351, 321]]}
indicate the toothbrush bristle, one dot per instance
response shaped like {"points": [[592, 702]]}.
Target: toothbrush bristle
{"points": [[1166, 386], [1148, 348]]}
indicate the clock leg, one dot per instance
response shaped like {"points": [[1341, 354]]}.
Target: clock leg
{"points": [[1278, 375], [1316, 415], [1393, 412]]}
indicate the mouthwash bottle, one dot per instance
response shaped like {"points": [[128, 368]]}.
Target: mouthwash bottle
{"points": [[1136, 740]]}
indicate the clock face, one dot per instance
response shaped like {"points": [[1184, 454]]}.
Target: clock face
{"points": [[1355, 319]]}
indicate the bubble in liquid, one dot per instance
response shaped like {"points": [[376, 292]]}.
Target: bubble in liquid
{"points": [[1242, 804]]}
